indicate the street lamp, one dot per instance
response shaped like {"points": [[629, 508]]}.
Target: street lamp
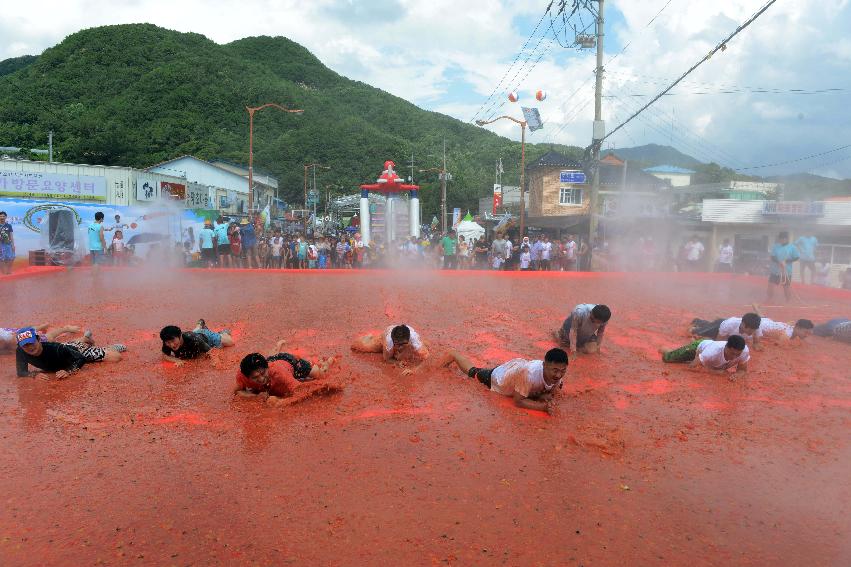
{"points": [[251, 110], [522, 124]]}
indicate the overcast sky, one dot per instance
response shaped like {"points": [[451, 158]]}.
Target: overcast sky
{"points": [[449, 56]]}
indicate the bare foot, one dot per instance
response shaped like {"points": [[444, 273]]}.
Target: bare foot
{"points": [[279, 346]]}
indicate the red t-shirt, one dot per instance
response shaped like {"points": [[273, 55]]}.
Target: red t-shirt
{"points": [[281, 382]]}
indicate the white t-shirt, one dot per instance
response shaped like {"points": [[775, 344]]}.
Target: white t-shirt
{"points": [[570, 250], [525, 260], [711, 355], [118, 244], [546, 250], [526, 377], [725, 255], [509, 249], [730, 327], [416, 342], [693, 251], [276, 244], [769, 328]]}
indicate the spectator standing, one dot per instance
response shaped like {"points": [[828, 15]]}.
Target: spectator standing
{"points": [[725, 257], [498, 252], [783, 255], [7, 245], [806, 246], [694, 253], [546, 253], [584, 261], [480, 251], [118, 248], [207, 244], [449, 244], [222, 242], [97, 244], [249, 244], [537, 249], [276, 247]]}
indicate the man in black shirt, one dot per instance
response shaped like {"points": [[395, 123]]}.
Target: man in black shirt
{"points": [[179, 346], [52, 358]]}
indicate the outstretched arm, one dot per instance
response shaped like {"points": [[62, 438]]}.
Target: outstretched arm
{"points": [[522, 401]]}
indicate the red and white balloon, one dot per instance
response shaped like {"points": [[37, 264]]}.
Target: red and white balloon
{"points": [[513, 96], [540, 95]]}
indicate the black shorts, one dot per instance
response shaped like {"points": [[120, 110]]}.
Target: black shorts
{"points": [[208, 254], [224, 249], [483, 375], [301, 367], [775, 279]]}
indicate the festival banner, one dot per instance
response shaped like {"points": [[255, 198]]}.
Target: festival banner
{"points": [[37, 185], [147, 189]]}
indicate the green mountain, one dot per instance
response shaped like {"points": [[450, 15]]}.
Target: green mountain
{"points": [[137, 95], [653, 154]]}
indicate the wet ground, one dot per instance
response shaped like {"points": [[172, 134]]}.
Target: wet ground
{"points": [[144, 463]]}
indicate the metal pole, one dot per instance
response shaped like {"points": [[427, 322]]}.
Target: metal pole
{"points": [[522, 178], [250, 158], [443, 190], [50, 146], [305, 186], [599, 128]]}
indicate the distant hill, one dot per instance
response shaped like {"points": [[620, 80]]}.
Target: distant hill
{"points": [[15, 64], [809, 187], [653, 154], [138, 94]]}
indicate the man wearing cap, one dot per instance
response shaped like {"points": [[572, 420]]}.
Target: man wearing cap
{"points": [[249, 243], [207, 244], [52, 359]]}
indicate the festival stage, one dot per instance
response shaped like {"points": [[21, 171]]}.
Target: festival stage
{"points": [[144, 463]]}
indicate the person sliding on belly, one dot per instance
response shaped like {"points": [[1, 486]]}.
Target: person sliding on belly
{"points": [[728, 357], [282, 378], [530, 382], [400, 343]]}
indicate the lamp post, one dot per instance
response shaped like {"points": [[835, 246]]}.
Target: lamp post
{"points": [[522, 124], [251, 110], [306, 167]]}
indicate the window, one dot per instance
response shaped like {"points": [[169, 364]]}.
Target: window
{"points": [[570, 196]]}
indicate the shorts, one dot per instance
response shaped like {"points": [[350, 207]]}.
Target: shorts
{"points": [[89, 352], [564, 334], [208, 254], [775, 279], [301, 367], [214, 339], [6, 253], [685, 353], [483, 375], [97, 257], [707, 329], [223, 249]]}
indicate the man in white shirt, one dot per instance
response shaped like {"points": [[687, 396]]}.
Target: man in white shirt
{"points": [[546, 253], [784, 332], [725, 257], [399, 343], [694, 253], [530, 382], [746, 326], [719, 357]]}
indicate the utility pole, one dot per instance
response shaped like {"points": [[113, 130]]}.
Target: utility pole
{"points": [[50, 147], [443, 189], [599, 129]]}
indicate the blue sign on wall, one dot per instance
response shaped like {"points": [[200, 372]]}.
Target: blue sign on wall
{"points": [[572, 176]]}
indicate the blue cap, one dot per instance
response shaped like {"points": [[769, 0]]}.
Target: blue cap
{"points": [[27, 336]]}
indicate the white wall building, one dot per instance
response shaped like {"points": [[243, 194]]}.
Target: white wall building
{"points": [[678, 176], [227, 183]]}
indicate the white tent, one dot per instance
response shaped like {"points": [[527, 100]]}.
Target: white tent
{"points": [[470, 229]]}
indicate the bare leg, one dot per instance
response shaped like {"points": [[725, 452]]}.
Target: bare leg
{"points": [[112, 356], [368, 343], [227, 340], [464, 363]]}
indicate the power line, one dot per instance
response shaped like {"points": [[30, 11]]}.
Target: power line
{"points": [[519, 53], [720, 47], [805, 158]]}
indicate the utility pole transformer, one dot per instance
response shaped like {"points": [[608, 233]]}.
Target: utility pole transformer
{"points": [[599, 129]]}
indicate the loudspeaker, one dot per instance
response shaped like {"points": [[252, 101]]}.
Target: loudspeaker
{"points": [[61, 230]]}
